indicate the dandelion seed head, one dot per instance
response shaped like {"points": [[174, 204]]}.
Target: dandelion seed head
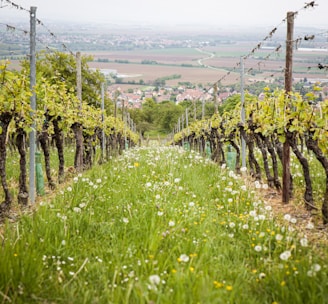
{"points": [[258, 248], [285, 255], [183, 258], [154, 279], [304, 242]]}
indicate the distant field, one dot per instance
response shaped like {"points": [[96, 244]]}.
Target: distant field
{"points": [[187, 62], [224, 58], [151, 72]]}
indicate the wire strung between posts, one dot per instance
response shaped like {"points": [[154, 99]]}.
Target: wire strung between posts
{"points": [[311, 4], [13, 28], [14, 5], [19, 7], [52, 34]]}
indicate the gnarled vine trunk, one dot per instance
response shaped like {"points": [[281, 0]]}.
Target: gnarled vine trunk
{"points": [[44, 142], [308, 194], [5, 119], [272, 152], [313, 146], [59, 140], [21, 146], [261, 144], [278, 147], [251, 157]]}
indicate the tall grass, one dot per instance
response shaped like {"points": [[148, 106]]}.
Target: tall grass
{"points": [[158, 225]]}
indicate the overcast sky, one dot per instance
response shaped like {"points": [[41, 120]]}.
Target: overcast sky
{"points": [[171, 12]]}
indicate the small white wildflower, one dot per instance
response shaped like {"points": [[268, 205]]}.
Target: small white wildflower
{"points": [[177, 180], [293, 220], [261, 275], [160, 213], [311, 273], [316, 267], [309, 226], [191, 204], [77, 209], [285, 255], [157, 196], [230, 200], [82, 205], [69, 189], [243, 169], [232, 225], [257, 184], [261, 217], [75, 179], [268, 208], [287, 217], [183, 258], [279, 237], [258, 248], [154, 279], [245, 226], [265, 186], [304, 242], [148, 185], [171, 223], [231, 235], [63, 242], [125, 220], [243, 187], [98, 180], [252, 213], [71, 273]]}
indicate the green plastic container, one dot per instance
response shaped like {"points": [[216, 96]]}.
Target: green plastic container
{"points": [[231, 158], [186, 146], [208, 150], [39, 174]]}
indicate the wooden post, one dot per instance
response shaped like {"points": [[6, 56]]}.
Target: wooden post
{"points": [[216, 106], [288, 89]]}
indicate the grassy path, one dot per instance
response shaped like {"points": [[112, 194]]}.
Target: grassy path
{"points": [[158, 225]]}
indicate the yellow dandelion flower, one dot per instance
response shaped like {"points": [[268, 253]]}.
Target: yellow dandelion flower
{"points": [[283, 283], [173, 271], [192, 269], [218, 284], [229, 287], [136, 165]]}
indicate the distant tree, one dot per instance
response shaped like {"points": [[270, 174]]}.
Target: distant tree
{"points": [[167, 115]]}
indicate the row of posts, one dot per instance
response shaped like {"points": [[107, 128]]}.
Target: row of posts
{"points": [[35, 169]]}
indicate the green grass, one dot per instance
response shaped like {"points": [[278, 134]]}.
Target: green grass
{"points": [[12, 167], [158, 225]]}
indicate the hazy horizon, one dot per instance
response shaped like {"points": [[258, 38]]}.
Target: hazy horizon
{"points": [[171, 12]]}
